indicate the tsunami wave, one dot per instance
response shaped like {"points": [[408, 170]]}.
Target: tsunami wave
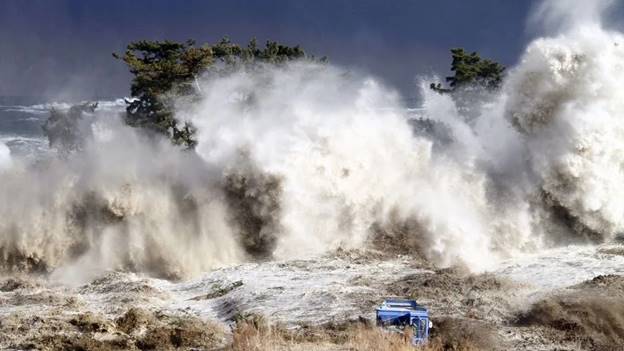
{"points": [[307, 158]]}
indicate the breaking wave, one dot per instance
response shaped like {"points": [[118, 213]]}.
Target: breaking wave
{"points": [[5, 156], [44, 109], [307, 158], [565, 100]]}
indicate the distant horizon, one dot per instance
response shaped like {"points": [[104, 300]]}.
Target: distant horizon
{"points": [[62, 50], [34, 100]]}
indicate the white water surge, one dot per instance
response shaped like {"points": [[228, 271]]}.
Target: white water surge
{"points": [[302, 159]]}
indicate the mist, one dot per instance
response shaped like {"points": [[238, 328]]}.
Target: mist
{"points": [[307, 191], [304, 159]]}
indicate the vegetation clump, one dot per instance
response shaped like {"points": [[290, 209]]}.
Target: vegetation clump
{"points": [[471, 70], [255, 333]]}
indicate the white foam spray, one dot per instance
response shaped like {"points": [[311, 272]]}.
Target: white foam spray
{"points": [[123, 203], [348, 159], [566, 98], [5, 157], [303, 158]]}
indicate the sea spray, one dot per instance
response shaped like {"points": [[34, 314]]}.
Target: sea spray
{"points": [[565, 97], [301, 159], [349, 161], [5, 157], [124, 202], [291, 162]]}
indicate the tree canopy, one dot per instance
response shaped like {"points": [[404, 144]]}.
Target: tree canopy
{"points": [[470, 69], [164, 70]]}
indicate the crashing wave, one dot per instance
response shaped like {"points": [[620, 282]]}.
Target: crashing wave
{"points": [[305, 158]]}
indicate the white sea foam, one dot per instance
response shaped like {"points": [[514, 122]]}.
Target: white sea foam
{"points": [[5, 157], [301, 159]]}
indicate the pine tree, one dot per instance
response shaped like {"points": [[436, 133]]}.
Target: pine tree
{"points": [[165, 70], [471, 70]]}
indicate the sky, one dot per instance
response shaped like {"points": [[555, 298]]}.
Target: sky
{"points": [[62, 48]]}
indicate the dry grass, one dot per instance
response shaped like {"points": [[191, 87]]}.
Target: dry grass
{"points": [[592, 321], [251, 336], [257, 335], [137, 329], [369, 339]]}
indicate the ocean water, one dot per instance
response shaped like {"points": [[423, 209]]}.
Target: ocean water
{"points": [[22, 118], [20, 125]]}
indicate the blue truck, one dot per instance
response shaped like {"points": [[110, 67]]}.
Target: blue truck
{"points": [[401, 314]]}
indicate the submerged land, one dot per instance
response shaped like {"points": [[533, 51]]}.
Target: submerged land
{"points": [[325, 303], [257, 197]]}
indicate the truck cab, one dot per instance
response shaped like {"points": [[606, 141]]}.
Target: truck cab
{"points": [[401, 314]]}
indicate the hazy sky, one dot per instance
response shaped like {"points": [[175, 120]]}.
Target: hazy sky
{"points": [[63, 48]]}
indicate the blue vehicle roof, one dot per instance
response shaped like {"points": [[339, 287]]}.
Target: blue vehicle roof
{"points": [[403, 305]]}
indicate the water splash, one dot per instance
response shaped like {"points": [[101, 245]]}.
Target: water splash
{"points": [[303, 159]]}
